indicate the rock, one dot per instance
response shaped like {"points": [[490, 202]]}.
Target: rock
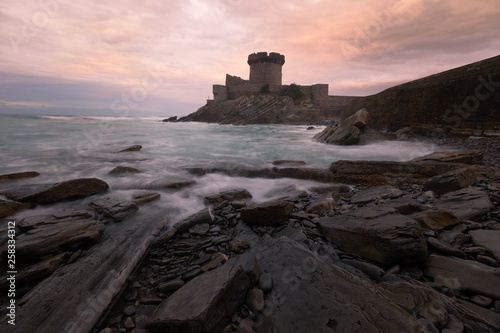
{"points": [[199, 229], [319, 175], [172, 119], [467, 203], [63, 215], [451, 181], [250, 265], [238, 245], [141, 321], [292, 233], [172, 183], [310, 128], [488, 239], [255, 299], [151, 299], [461, 156], [238, 204], [129, 311], [19, 175], [424, 302], [106, 330], [453, 326], [465, 273], [114, 209], [266, 282], [289, 162], [131, 148], [379, 192], [267, 213], [488, 261], [204, 216], [62, 236], [141, 199], [35, 272], [215, 259], [373, 272], [445, 248], [481, 300], [377, 233], [128, 323], [232, 195], [8, 208], [487, 314], [312, 295], [119, 170], [347, 133], [166, 237], [49, 193], [170, 286], [435, 219], [327, 204], [204, 304], [374, 173]]}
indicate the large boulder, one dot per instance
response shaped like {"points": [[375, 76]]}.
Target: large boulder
{"points": [[328, 298], [377, 233], [451, 181], [267, 213], [379, 192], [48, 193], [347, 133], [466, 204], [435, 219], [204, 304], [465, 274], [8, 208]]}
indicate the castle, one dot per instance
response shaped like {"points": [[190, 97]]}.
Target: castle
{"points": [[266, 71]]}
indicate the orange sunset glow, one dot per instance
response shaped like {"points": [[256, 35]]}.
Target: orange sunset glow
{"points": [[80, 57]]}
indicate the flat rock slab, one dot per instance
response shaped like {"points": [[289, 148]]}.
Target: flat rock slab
{"points": [[435, 219], [489, 239], [49, 193], [120, 170], [374, 173], [311, 295], [237, 194], [377, 233], [19, 175], [52, 238], [379, 192], [144, 198], [169, 183], [467, 274], [8, 208], [204, 216], [462, 156], [76, 295], [204, 304], [68, 215], [451, 181], [114, 209], [267, 213], [466, 204]]}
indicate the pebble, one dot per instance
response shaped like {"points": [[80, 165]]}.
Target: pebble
{"points": [[129, 323], [255, 300], [170, 286], [481, 300], [141, 321], [266, 282], [129, 311]]}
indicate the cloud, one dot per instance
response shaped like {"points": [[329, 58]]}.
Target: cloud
{"points": [[88, 53]]}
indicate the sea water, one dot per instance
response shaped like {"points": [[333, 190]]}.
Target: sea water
{"points": [[68, 147]]}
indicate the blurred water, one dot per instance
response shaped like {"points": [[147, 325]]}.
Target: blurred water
{"points": [[63, 148]]}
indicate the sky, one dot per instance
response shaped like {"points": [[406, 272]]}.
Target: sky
{"points": [[161, 57]]}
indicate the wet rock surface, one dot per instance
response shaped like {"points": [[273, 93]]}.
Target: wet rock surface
{"points": [[297, 266]]}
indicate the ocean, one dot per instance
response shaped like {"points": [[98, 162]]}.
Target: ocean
{"points": [[68, 147]]}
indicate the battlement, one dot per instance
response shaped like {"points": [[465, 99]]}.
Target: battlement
{"points": [[262, 57]]}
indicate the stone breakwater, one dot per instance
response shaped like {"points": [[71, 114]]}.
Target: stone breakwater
{"points": [[374, 247]]}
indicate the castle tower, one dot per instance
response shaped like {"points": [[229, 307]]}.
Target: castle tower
{"points": [[266, 68]]}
